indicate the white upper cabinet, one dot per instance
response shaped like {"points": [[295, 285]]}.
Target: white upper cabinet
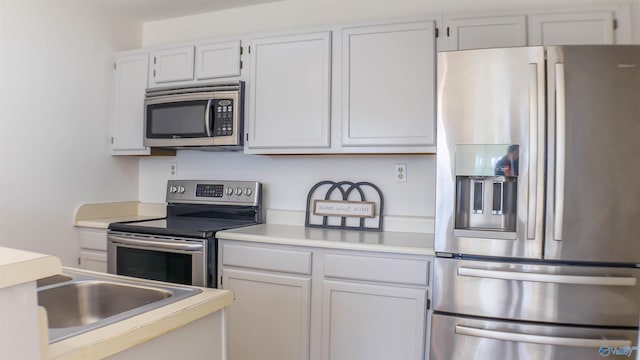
{"points": [[217, 60], [192, 64], [171, 65], [481, 32], [572, 28], [127, 116], [388, 85], [290, 90]]}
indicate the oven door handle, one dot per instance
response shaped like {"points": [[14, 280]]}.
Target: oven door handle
{"points": [[540, 339], [157, 244]]}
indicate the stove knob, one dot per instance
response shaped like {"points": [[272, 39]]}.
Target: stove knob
{"points": [[181, 189], [229, 191], [173, 189], [238, 191], [248, 191]]}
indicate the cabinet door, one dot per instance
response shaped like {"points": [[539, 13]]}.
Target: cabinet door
{"points": [[93, 260], [290, 92], [388, 85], [171, 64], [217, 60], [93, 249], [465, 33], [372, 322], [594, 27], [127, 120], [269, 318]]}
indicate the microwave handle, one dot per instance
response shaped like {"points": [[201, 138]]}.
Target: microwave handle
{"points": [[207, 115]]}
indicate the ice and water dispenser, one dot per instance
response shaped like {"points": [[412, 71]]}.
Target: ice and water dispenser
{"points": [[486, 188]]}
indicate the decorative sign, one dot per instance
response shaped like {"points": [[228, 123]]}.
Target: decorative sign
{"points": [[362, 209]]}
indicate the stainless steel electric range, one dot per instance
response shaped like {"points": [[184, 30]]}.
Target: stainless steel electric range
{"points": [[182, 248]]}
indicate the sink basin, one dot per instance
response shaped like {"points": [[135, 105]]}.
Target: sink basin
{"points": [[77, 302], [53, 279], [85, 302]]}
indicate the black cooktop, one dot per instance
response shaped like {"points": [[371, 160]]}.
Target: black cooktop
{"points": [[180, 227]]}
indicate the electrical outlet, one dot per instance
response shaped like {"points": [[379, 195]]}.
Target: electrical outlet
{"points": [[401, 173], [173, 169]]}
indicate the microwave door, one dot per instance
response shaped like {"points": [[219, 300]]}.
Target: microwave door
{"points": [[177, 120]]}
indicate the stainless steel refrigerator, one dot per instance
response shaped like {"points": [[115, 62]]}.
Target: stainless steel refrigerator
{"points": [[537, 233]]}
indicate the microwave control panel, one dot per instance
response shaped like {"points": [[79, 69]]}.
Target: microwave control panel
{"points": [[223, 110]]}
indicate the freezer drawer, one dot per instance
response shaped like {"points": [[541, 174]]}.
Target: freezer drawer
{"points": [[577, 295], [480, 339]]}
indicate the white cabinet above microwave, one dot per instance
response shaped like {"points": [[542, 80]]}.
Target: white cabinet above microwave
{"points": [[188, 65]]}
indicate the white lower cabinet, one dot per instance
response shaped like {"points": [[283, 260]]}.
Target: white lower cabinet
{"points": [[372, 322], [93, 249], [269, 318], [297, 302]]}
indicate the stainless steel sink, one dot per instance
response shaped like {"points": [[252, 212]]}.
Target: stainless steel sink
{"points": [[53, 279], [85, 301]]}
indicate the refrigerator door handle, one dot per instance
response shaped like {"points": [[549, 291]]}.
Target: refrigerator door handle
{"points": [[539, 339], [533, 150], [548, 278], [560, 152]]}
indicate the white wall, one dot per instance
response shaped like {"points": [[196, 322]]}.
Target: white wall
{"points": [[55, 82], [288, 179]]}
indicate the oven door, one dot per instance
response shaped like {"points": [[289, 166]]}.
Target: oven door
{"points": [[473, 338], [170, 259]]}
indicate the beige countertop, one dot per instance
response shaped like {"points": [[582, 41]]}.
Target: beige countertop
{"points": [[18, 266], [386, 241], [114, 338], [100, 215]]}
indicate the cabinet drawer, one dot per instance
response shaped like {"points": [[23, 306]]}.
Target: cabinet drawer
{"points": [[395, 270], [93, 239], [266, 258]]}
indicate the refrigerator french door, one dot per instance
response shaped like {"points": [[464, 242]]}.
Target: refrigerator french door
{"points": [[489, 102], [537, 202]]}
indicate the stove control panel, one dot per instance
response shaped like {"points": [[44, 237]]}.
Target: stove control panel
{"points": [[214, 192]]}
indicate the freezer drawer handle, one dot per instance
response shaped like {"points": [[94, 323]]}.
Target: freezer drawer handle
{"points": [[548, 278], [539, 339]]}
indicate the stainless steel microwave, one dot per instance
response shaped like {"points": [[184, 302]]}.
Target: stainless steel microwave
{"points": [[208, 117]]}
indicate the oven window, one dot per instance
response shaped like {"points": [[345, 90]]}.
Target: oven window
{"points": [[155, 265]]}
